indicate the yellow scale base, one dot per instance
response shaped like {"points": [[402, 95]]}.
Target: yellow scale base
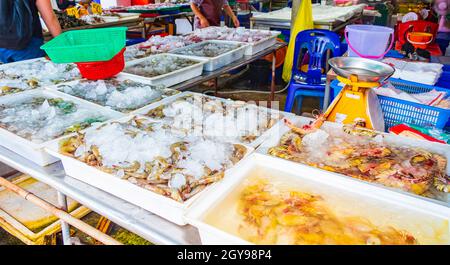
{"points": [[353, 104]]}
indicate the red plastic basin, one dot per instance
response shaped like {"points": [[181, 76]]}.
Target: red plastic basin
{"points": [[103, 69]]}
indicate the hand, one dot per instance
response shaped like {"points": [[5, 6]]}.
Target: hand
{"points": [[204, 23], [236, 22]]}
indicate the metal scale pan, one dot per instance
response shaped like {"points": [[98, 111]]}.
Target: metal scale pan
{"points": [[366, 70]]}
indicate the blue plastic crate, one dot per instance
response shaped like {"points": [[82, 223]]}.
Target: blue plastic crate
{"points": [[397, 111], [444, 80], [134, 41]]}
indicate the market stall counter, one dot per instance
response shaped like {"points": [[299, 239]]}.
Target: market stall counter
{"points": [[325, 17], [131, 217], [132, 22]]}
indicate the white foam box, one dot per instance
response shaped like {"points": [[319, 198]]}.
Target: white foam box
{"points": [[442, 149], [148, 200], [33, 151], [426, 221], [168, 79]]}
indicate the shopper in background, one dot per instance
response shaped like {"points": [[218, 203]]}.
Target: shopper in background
{"points": [[63, 4], [208, 12], [21, 30]]}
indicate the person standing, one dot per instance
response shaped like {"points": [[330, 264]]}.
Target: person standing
{"points": [[21, 31], [208, 12]]}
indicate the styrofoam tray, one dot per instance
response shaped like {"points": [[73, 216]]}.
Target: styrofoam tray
{"points": [[120, 77], [33, 151], [255, 143], [442, 149], [419, 217], [148, 200], [172, 78], [220, 61]]}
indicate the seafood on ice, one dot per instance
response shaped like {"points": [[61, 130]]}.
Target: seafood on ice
{"points": [[150, 155], [159, 65], [267, 212], [120, 95], [207, 49], [93, 19], [154, 6], [205, 116], [154, 45], [362, 154], [240, 34], [24, 76], [40, 119]]}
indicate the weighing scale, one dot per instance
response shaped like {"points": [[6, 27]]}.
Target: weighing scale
{"points": [[357, 103]]}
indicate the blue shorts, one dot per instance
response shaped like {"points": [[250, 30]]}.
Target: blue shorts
{"points": [[32, 51]]}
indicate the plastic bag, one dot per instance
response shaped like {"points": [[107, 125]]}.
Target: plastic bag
{"points": [[303, 21]]}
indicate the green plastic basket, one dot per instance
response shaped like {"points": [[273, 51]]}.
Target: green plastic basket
{"points": [[89, 45], [169, 10], [185, 9]]}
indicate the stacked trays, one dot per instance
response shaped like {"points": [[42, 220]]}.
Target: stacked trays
{"points": [[218, 53]]}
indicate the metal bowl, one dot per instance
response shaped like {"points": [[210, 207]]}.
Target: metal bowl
{"points": [[366, 70]]}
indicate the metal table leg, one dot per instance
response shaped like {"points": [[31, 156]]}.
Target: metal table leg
{"points": [[326, 97], [272, 84], [65, 230], [216, 86]]}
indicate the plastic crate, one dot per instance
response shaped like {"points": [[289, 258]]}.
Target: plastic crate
{"points": [[444, 80], [169, 10], [185, 8], [103, 70], [397, 111], [89, 45], [149, 12]]}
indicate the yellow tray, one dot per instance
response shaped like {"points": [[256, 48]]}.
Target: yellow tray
{"points": [[28, 222]]}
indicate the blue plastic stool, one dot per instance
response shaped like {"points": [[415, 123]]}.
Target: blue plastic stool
{"points": [[313, 44]]}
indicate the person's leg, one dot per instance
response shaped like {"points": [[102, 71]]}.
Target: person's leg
{"points": [[32, 51]]}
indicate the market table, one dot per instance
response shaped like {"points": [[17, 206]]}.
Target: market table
{"points": [[131, 217], [131, 23], [242, 62], [265, 21], [127, 215], [167, 19]]}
